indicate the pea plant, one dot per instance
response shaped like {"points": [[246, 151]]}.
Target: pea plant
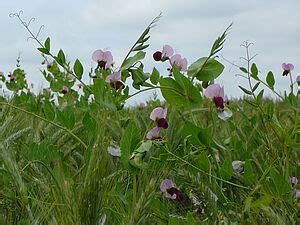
{"points": [[74, 154]]}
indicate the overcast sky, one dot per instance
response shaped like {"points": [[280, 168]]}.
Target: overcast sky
{"points": [[190, 26]]}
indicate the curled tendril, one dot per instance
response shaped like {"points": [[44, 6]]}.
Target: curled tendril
{"points": [[27, 24]]}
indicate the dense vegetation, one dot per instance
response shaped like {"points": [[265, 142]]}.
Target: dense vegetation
{"points": [[73, 154]]}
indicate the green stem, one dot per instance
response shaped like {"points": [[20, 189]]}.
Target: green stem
{"points": [[48, 121], [210, 175], [156, 87], [134, 190]]}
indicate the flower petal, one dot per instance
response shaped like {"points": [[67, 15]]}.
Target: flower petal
{"points": [[166, 184], [114, 151], [213, 90], [97, 56], [153, 133], [225, 114], [167, 51]]}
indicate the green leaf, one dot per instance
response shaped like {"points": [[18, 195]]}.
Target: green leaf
{"points": [[254, 70], [205, 136], [47, 44], [138, 77], [262, 201], [243, 69], [43, 50], [255, 86], [191, 92], [90, 124], [249, 174], [205, 70], [203, 162], [129, 142], [270, 79], [49, 111], [61, 57], [144, 147], [248, 92], [78, 69], [172, 91], [69, 117], [226, 170], [154, 78], [260, 96], [191, 131], [140, 47], [131, 60]]}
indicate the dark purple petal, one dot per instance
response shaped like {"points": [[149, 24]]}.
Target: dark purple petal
{"points": [[163, 123], [219, 102], [157, 56], [119, 85], [199, 212], [180, 197], [101, 64]]}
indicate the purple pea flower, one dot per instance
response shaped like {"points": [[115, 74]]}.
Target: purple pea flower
{"points": [[114, 80], [49, 65], [168, 187], [180, 62], [199, 212], [163, 55], [159, 115], [64, 90], [294, 181], [287, 68], [103, 58], [153, 134]]}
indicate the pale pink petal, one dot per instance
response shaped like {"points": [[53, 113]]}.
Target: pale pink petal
{"points": [[175, 59], [97, 55], [221, 93], [158, 113], [298, 78], [297, 193], [153, 133], [283, 66], [167, 51], [184, 64], [212, 91], [108, 58], [166, 184], [287, 66]]}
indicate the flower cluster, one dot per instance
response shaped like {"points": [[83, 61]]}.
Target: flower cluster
{"points": [[167, 53], [158, 115]]}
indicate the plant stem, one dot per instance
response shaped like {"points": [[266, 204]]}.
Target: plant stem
{"points": [[134, 195]]}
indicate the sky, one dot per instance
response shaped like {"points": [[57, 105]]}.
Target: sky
{"points": [[190, 27]]}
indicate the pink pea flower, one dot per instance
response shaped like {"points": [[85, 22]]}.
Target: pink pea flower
{"points": [[153, 134], [142, 105], [79, 85], [163, 55], [287, 68], [114, 80], [294, 181], [159, 115], [64, 90], [103, 58], [49, 65], [168, 187], [216, 93]]}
